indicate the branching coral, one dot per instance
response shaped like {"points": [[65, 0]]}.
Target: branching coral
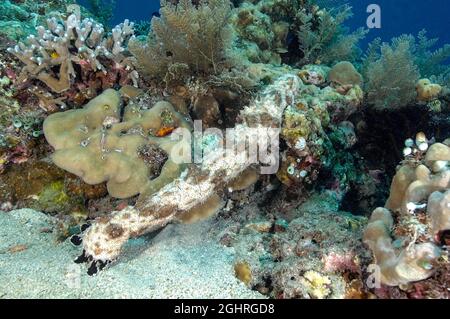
{"points": [[419, 197], [68, 42]]}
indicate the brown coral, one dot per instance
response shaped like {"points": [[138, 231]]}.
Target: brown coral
{"points": [[93, 144], [344, 73], [427, 91], [421, 182]]}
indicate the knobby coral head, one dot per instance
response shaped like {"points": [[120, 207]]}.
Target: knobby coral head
{"points": [[99, 145], [419, 195]]}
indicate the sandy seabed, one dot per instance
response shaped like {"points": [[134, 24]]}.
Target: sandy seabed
{"points": [[182, 261]]}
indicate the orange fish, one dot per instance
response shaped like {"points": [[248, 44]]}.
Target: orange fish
{"points": [[164, 131]]}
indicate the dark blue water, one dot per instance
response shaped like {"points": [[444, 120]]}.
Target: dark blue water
{"points": [[405, 16], [398, 16], [135, 10]]}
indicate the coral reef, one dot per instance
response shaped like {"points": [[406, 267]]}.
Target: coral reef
{"points": [[305, 256], [261, 116], [189, 55], [180, 199], [70, 60], [262, 35], [296, 31], [305, 124], [20, 128], [18, 19], [302, 111], [188, 194], [418, 197]]}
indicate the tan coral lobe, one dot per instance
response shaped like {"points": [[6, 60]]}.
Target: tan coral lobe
{"points": [[415, 186], [93, 144]]}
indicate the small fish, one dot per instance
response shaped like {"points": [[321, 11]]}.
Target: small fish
{"points": [[281, 50], [164, 131]]}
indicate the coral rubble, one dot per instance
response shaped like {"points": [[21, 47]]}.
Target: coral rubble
{"points": [[296, 258]]}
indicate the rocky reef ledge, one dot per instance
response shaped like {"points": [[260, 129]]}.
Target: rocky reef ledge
{"points": [[182, 261]]}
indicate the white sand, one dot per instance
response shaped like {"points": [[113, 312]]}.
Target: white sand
{"points": [[183, 261]]}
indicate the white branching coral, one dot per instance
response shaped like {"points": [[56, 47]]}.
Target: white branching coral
{"points": [[420, 198], [65, 42]]}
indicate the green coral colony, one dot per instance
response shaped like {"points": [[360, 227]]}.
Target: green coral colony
{"points": [[88, 117]]}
